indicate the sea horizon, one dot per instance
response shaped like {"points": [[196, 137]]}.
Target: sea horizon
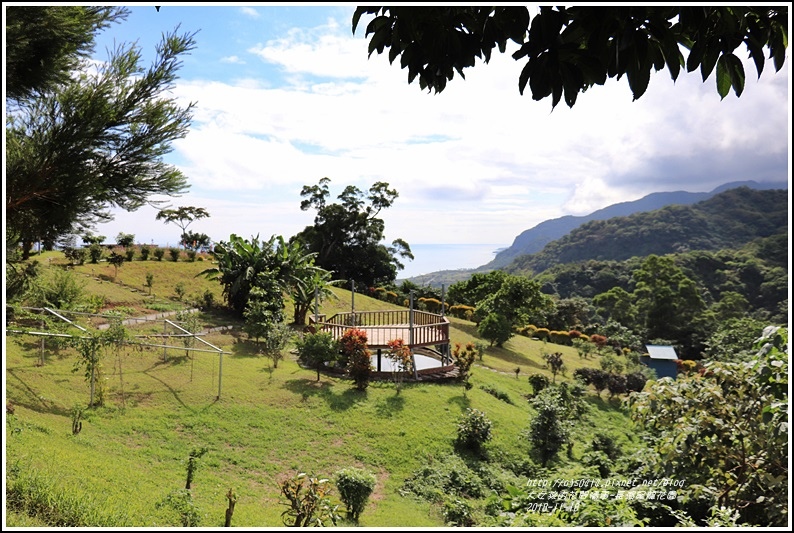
{"points": [[435, 257]]}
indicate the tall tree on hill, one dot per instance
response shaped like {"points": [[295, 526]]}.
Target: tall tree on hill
{"points": [[666, 300], [568, 50], [182, 216], [346, 236], [81, 140]]}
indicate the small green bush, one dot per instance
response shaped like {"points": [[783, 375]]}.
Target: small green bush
{"points": [[538, 383], [355, 486], [174, 253], [145, 251], [159, 253], [457, 512], [474, 429]]}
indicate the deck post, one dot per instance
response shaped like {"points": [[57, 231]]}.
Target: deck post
{"points": [[379, 353], [316, 308], [442, 299], [411, 332]]}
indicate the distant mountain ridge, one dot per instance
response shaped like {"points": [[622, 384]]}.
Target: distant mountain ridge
{"points": [[727, 220], [535, 239]]}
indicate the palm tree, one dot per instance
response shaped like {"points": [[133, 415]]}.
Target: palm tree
{"points": [[301, 276], [240, 262]]}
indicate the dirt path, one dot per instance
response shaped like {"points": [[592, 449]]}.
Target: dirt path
{"points": [[148, 318]]}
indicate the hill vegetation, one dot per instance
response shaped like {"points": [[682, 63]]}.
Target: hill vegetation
{"points": [[533, 240], [245, 427], [727, 220]]}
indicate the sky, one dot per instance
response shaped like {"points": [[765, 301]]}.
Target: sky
{"points": [[285, 95]]}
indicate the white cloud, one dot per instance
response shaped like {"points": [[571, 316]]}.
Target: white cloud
{"points": [[249, 12], [476, 163], [232, 59]]}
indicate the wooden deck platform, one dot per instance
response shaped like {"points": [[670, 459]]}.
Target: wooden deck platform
{"points": [[416, 328]]}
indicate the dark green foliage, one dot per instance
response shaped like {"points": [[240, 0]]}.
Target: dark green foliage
{"points": [[568, 50], [116, 260], [732, 340], [457, 512], [474, 430], [159, 253], [616, 384], [734, 453], [145, 251], [548, 432], [125, 240], [443, 476], [192, 465], [346, 237], [727, 220], [76, 148], [174, 253], [538, 383], [95, 252], [46, 43], [316, 350], [606, 444], [355, 486], [496, 329], [635, 382]]}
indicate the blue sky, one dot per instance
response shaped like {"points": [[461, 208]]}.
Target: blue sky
{"points": [[286, 95]]}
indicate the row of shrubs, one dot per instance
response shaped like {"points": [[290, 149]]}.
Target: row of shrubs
{"points": [[95, 253], [565, 338]]}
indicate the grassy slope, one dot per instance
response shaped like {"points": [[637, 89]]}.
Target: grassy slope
{"points": [[268, 423]]}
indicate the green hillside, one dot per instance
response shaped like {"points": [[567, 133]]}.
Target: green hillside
{"points": [[268, 424], [727, 220]]}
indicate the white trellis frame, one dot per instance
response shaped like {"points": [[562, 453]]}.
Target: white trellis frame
{"points": [[59, 314]]}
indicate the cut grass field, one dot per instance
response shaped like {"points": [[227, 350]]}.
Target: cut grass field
{"points": [[268, 424]]}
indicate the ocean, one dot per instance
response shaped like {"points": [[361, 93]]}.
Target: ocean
{"points": [[434, 257]]}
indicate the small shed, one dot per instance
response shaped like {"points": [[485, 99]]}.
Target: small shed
{"points": [[661, 359]]}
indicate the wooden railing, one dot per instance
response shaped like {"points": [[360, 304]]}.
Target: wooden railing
{"points": [[425, 329]]}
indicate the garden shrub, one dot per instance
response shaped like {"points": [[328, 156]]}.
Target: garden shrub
{"points": [[559, 337], [353, 345], [496, 393], [174, 254], [538, 383], [95, 252], [159, 253], [605, 443], [474, 430], [542, 334], [355, 486], [129, 254], [457, 512], [599, 340], [600, 461], [464, 312], [635, 382], [448, 475], [145, 251], [191, 255], [308, 502]]}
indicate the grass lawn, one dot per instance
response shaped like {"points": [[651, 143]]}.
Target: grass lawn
{"points": [[268, 424]]}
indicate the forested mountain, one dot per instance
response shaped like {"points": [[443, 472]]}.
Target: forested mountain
{"points": [[533, 240], [729, 219]]}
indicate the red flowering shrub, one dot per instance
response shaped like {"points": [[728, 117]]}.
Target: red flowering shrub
{"points": [[359, 363]]}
